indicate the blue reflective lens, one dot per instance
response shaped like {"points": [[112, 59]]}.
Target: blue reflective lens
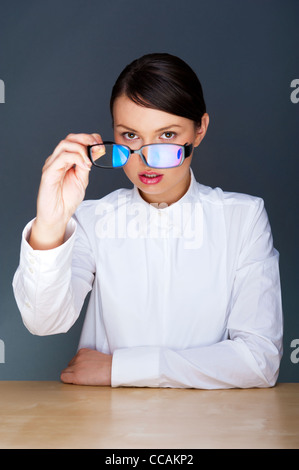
{"points": [[120, 155], [163, 155], [153, 155]]}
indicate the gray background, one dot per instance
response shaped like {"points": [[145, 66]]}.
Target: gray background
{"points": [[59, 60]]}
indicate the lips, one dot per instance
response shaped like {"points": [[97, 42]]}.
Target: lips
{"points": [[150, 177]]}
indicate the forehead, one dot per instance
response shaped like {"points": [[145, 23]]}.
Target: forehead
{"points": [[128, 114]]}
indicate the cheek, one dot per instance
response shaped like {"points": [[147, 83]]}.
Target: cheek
{"points": [[132, 167]]}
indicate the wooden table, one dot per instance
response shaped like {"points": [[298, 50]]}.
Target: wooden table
{"points": [[52, 415]]}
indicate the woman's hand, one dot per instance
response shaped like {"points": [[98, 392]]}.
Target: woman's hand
{"points": [[88, 367], [64, 180]]}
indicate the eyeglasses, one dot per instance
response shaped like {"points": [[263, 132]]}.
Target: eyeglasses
{"points": [[111, 155]]}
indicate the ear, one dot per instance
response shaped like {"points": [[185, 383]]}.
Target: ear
{"points": [[202, 129]]}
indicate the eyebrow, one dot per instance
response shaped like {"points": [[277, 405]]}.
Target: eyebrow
{"points": [[157, 130]]}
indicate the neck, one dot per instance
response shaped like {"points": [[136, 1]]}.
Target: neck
{"points": [[170, 196]]}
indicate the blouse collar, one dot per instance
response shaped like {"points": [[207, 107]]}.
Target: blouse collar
{"points": [[190, 196]]}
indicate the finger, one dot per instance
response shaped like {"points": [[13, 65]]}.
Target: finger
{"points": [[97, 152], [69, 159], [82, 174], [98, 138], [85, 139], [62, 164], [67, 376], [79, 354], [69, 146]]}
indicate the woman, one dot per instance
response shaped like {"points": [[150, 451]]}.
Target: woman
{"points": [[184, 279]]}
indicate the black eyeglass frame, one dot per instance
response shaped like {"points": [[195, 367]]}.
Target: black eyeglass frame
{"points": [[187, 152]]}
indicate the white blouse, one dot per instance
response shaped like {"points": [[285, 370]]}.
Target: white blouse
{"points": [[183, 296]]}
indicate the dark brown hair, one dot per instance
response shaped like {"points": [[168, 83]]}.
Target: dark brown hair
{"points": [[162, 81]]}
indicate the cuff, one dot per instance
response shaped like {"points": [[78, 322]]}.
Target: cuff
{"points": [[136, 367], [47, 258]]}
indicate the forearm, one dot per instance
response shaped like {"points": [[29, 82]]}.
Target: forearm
{"points": [[48, 298], [228, 364]]}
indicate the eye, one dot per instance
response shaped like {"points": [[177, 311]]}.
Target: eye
{"points": [[130, 136], [168, 135]]}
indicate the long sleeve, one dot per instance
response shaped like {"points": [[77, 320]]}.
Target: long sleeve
{"points": [[250, 356], [50, 285]]}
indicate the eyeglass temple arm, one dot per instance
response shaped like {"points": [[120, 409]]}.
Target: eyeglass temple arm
{"points": [[188, 150]]}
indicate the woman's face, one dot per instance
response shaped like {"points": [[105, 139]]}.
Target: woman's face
{"points": [[136, 126]]}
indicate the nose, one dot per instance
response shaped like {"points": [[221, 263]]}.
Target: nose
{"points": [[138, 152], [143, 162]]}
